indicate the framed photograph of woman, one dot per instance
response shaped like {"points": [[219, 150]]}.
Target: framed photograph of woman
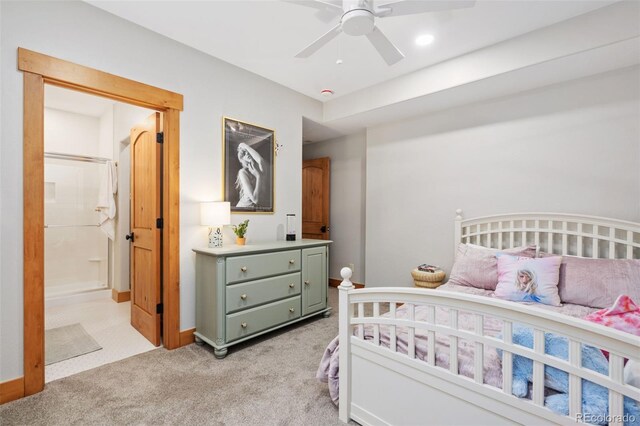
{"points": [[248, 166]]}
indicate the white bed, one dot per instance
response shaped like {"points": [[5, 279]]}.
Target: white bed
{"points": [[379, 385]]}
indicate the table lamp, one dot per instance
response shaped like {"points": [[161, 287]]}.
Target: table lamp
{"points": [[215, 215]]}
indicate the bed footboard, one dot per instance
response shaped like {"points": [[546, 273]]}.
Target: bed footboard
{"points": [[380, 384]]}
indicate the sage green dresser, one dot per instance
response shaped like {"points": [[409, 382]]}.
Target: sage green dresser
{"points": [[245, 291]]}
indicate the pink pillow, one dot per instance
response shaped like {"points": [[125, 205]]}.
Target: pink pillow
{"points": [[597, 282], [476, 266], [529, 280]]}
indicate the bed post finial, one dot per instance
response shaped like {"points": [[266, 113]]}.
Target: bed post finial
{"points": [[346, 278]]}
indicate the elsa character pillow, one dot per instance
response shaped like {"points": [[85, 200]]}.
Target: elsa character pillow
{"points": [[523, 279]]}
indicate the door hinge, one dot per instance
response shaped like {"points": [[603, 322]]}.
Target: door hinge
{"points": [[160, 137], [159, 308], [159, 223]]}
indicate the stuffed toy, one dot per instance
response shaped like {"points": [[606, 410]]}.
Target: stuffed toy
{"points": [[595, 398]]}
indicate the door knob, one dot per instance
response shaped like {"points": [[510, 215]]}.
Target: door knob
{"points": [[129, 237], [324, 228]]}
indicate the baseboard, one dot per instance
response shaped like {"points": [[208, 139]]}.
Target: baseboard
{"points": [[120, 296], [11, 390], [187, 337], [333, 282]]}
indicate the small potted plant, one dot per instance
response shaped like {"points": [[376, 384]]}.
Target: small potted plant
{"points": [[240, 230]]}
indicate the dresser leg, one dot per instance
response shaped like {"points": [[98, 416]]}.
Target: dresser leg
{"points": [[220, 353], [326, 314], [199, 341]]}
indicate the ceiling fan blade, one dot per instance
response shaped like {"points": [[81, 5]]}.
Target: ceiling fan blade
{"points": [[385, 48], [399, 8], [316, 45]]}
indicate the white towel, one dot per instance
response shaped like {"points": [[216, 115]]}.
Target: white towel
{"points": [[106, 199]]}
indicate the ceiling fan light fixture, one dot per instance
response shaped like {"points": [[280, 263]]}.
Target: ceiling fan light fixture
{"points": [[424, 39], [358, 22]]}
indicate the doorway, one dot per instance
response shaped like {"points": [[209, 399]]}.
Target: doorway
{"points": [[38, 70], [87, 175]]}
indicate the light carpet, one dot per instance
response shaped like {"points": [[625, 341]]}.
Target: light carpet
{"points": [[267, 381], [66, 342]]}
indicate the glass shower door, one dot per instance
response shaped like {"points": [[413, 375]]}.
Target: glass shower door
{"points": [[76, 250]]}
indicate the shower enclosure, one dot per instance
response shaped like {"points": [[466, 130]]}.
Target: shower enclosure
{"points": [[76, 249]]}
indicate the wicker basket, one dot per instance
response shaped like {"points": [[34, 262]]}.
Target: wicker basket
{"points": [[427, 279]]}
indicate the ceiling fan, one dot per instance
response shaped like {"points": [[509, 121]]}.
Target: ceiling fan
{"points": [[358, 18]]}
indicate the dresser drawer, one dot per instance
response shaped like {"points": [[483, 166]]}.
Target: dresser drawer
{"points": [[257, 319], [245, 268], [252, 293]]}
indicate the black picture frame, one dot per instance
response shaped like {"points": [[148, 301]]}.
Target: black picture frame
{"points": [[248, 167]]}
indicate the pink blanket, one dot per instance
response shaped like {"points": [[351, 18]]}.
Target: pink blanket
{"points": [[328, 369], [624, 315]]}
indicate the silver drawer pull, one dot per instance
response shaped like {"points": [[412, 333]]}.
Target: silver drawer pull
{"points": [[243, 325], [243, 297], [306, 282], [292, 261], [243, 269], [292, 310], [292, 285]]}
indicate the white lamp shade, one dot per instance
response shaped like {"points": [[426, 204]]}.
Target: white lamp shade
{"points": [[215, 213]]}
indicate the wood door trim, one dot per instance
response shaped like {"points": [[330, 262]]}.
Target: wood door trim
{"points": [[33, 232], [171, 231], [78, 77], [11, 390], [38, 70]]}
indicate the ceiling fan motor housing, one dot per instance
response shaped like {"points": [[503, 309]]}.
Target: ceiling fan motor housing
{"points": [[358, 19]]}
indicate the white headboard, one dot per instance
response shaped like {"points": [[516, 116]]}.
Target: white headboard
{"points": [[565, 234]]}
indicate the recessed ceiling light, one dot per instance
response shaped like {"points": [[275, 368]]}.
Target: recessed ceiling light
{"points": [[424, 39]]}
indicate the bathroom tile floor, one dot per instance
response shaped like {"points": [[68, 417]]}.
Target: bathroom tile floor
{"points": [[107, 322]]}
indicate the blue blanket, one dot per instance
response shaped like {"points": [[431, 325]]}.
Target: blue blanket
{"points": [[595, 398]]}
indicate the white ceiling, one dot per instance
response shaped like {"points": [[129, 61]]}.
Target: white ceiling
{"points": [[264, 36], [76, 102]]}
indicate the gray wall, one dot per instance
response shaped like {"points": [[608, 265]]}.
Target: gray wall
{"points": [[573, 147], [347, 204], [81, 33]]}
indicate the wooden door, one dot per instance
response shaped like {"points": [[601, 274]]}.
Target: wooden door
{"points": [[315, 198], [146, 232]]}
